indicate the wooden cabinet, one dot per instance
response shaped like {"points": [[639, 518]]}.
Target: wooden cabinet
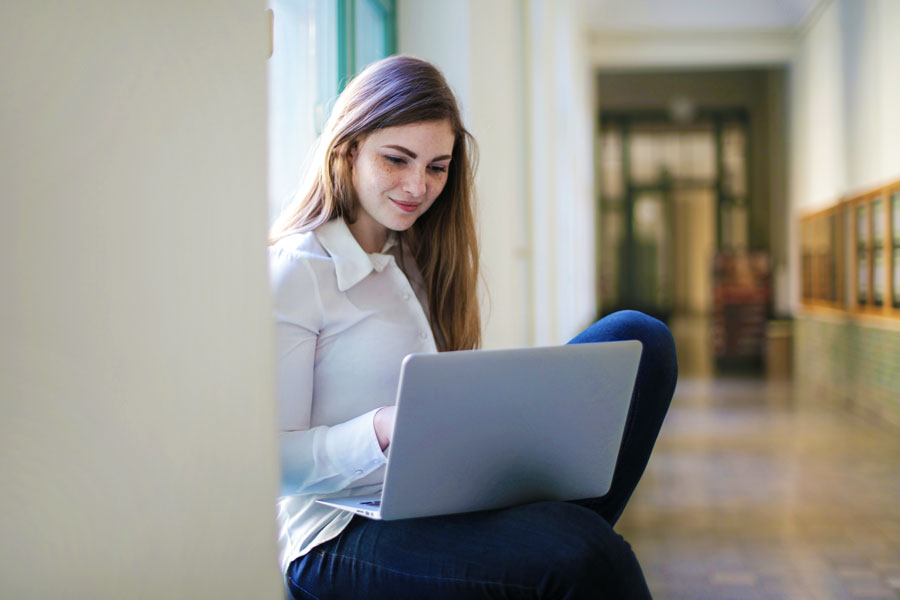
{"points": [[850, 254]]}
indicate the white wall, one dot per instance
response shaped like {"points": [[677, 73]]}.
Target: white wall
{"points": [[497, 110], [888, 59], [871, 89], [136, 370], [562, 126], [519, 71], [818, 170], [845, 132], [439, 32]]}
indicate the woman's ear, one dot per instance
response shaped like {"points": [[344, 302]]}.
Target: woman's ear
{"points": [[353, 153]]}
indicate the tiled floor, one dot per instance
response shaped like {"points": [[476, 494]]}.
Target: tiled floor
{"points": [[756, 492]]}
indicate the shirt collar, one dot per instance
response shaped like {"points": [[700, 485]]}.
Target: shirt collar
{"points": [[351, 263]]}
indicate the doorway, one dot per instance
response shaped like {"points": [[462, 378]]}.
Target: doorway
{"points": [[673, 194]]}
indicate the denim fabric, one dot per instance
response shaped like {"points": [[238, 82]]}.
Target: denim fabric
{"points": [[564, 550], [656, 377]]}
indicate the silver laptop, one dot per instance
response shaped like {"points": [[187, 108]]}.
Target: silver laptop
{"points": [[485, 429]]}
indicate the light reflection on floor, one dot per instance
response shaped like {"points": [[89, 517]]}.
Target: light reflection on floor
{"points": [[755, 492]]}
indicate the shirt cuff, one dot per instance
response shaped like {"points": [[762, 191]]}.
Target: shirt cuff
{"points": [[353, 446]]}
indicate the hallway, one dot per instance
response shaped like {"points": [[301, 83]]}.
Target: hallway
{"points": [[756, 492]]}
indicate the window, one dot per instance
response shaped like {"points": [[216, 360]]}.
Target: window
{"points": [[863, 250], [318, 46], [873, 250], [865, 229], [368, 33], [822, 258]]}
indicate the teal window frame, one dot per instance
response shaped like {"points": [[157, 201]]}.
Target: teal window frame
{"points": [[342, 45], [349, 35]]}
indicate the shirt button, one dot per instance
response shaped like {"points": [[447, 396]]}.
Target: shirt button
{"points": [[359, 472], [406, 296], [423, 335]]}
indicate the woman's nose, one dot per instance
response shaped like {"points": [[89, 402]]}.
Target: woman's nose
{"points": [[414, 184]]}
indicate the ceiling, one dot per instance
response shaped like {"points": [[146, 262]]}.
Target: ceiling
{"points": [[687, 34], [682, 16]]}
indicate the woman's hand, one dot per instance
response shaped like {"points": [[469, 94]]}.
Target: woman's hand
{"points": [[384, 425]]}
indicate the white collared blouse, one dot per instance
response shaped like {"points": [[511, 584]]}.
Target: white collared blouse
{"points": [[344, 321]]}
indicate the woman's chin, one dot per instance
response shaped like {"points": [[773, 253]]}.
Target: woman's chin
{"points": [[402, 222]]}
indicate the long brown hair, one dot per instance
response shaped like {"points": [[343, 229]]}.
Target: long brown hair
{"points": [[401, 90]]}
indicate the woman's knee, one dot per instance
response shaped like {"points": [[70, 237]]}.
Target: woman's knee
{"points": [[582, 556], [627, 325], [654, 335]]}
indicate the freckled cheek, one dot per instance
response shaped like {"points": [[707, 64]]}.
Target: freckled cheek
{"points": [[383, 179]]}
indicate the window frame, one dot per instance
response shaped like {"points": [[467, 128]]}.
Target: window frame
{"points": [[347, 36], [855, 291], [820, 271]]}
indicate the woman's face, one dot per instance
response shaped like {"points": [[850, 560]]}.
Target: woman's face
{"points": [[397, 174]]}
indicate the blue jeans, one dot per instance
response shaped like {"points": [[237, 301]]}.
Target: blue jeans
{"points": [[543, 550]]}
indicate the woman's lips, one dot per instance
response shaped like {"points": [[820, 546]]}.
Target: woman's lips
{"points": [[406, 206]]}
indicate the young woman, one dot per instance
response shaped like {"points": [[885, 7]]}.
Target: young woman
{"points": [[377, 258]]}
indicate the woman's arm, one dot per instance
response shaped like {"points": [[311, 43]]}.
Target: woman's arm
{"points": [[313, 459]]}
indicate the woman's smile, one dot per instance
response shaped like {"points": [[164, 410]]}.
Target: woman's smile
{"points": [[406, 206]]}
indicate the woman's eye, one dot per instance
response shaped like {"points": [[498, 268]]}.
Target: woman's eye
{"points": [[439, 168], [395, 159]]}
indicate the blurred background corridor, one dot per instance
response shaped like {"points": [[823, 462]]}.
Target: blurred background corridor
{"points": [[759, 490], [731, 167]]}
